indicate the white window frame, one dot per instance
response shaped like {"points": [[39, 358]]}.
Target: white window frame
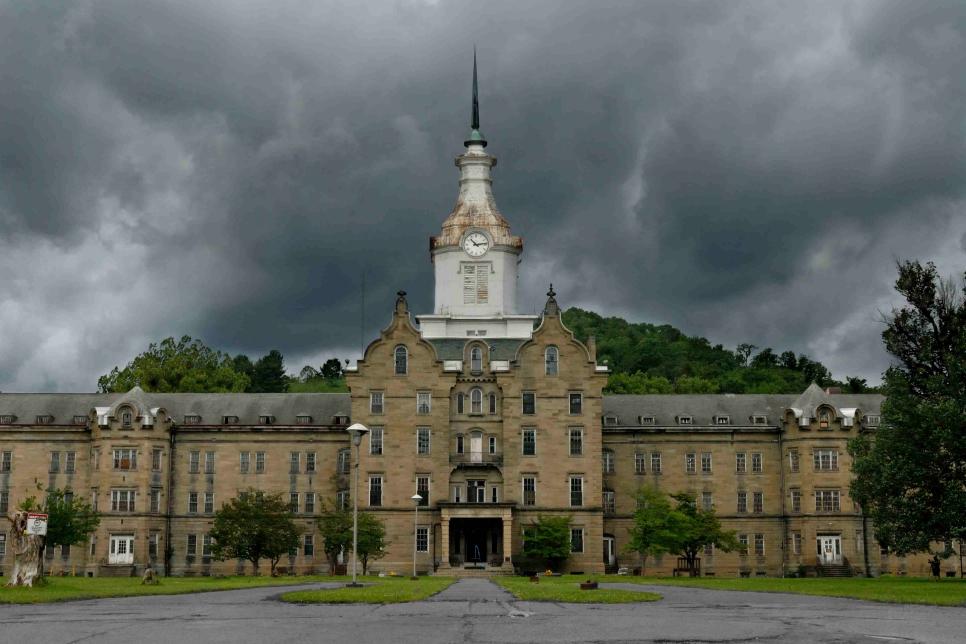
{"points": [[424, 402], [420, 433], [377, 408], [551, 364], [376, 436]]}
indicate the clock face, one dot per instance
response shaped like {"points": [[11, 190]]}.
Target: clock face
{"points": [[476, 244]]}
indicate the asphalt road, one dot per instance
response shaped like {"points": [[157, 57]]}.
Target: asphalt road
{"points": [[476, 611]]}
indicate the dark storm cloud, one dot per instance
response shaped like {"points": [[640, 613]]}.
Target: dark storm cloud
{"points": [[745, 171]]}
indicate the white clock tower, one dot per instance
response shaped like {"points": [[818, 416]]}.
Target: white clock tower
{"points": [[475, 257]]}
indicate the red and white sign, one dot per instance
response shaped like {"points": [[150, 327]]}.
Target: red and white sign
{"points": [[36, 524]]}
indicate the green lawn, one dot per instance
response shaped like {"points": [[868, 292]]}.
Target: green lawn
{"points": [[899, 590], [376, 590], [566, 588], [68, 588]]}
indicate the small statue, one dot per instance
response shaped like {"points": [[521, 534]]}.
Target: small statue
{"points": [[149, 577]]}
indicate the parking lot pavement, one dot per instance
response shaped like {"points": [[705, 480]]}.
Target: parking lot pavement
{"points": [[476, 611]]}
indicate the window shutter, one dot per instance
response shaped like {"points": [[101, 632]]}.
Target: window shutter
{"points": [[469, 284], [482, 284]]}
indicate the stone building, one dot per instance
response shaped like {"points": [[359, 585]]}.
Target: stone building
{"points": [[492, 416]]}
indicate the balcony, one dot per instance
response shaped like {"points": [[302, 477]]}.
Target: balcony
{"points": [[475, 459]]}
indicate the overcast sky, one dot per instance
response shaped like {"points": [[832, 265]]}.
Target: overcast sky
{"points": [[748, 172]]}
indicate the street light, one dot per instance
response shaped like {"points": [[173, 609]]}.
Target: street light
{"points": [[356, 431], [416, 500]]}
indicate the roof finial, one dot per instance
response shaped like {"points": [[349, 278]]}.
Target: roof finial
{"points": [[475, 136]]}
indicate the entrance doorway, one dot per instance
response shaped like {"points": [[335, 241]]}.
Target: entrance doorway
{"points": [[829, 547], [610, 552], [476, 447], [475, 542], [122, 549]]}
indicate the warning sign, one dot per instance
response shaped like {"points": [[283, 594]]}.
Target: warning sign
{"points": [[36, 524]]}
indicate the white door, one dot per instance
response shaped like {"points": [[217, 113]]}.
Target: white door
{"points": [[830, 549], [476, 448], [122, 549], [610, 555]]}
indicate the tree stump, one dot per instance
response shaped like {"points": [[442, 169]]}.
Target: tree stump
{"points": [[27, 563]]}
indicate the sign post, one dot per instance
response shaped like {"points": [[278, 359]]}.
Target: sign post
{"points": [[36, 524]]}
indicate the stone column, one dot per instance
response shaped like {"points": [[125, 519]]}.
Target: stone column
{"points": [[507, 538], [444, 539]]}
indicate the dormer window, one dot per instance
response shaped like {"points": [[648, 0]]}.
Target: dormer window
{"points": [[476, 360], [45, 419], [266, 419], [610, 419], [127, 418], [340, 420], [872, 420], [303, 419], [722, 420], [80, 420], [551, 361], [824, 418], [229, 420], [684, 420], [645, 420], [192, 419], [7, 419], [759, 420]]}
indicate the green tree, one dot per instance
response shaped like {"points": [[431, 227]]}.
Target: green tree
{"points": [[650, 533], [268, 375], [254, 526], [335, 528], [691, 528], [371, 539], [910, 473], [184, 365], [637, 383], [70, 520], [548, 539], [332, 369]]}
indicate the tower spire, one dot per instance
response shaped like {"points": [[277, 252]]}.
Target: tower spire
{"points": [[475, 136]]}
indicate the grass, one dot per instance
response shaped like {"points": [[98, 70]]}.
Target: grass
{"points": [[566, 588], [60, 589], [376, 590], [897, 590]]}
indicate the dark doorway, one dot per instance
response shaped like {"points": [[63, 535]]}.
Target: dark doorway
{"points": [[475, 541]]}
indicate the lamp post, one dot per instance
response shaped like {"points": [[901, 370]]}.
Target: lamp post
{"points": [[356, 431], [416, 500]]}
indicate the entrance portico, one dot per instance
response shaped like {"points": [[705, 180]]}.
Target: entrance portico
{"points": [[476, 536]]}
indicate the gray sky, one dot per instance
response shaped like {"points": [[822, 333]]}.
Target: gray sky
{"points": [[745, 171]]}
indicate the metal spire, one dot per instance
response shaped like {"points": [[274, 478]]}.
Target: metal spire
{"points": [[475, 136]]}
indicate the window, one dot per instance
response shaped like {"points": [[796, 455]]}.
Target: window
{"points": [[7, 419], [476, 491], [401, 361], [529, 403], [422, 489], [706, 462], [3, 545], [422, 440], [460, 399], [684, 420], [126, 459], [722, 420], [206, 546], [303, 419], [690, 463], [759, 420], [209, 462], [655, 462], [756, 462], [126, 419], [608, 461], [342, 499], [610, 502], [65, 551], [576, 404], [54, 462], [826, 460], [759, 544], [639, 463], [459, 444], [740, 465], [189, 419], [191, 548], [827, 501], [375, 441], [375, 491], [824, 418], [70, 462], [209, 502], [529, 490], [153, 546], [310, 462], [344, 460], [308, 545], [742, 502], [492, 398], [796, 497], [156, 455], [266, 419], [259, 462], [796, 543], [872, 420], [229, 420], [293, 502], [576, 441], [494, 495], [576, 491], [793, 461], [709, 550], [492, 444], [529, 441], [758, 502], [476, 401], [457, 494], [375, 402], [194, 461], [294, 462], [645, 420], [155, 500], [122, 500], [245, 462], [743, 544], [4, 502], [310, 502], [6, 461], [707, 501], [476, 360], [551, 361], [576, 540], [422, 539], [476, 283], [423, 402], [192, 503]]}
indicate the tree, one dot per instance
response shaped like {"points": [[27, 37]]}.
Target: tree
{"points": [[744, 351], [910, 473], [548, 539], [269, 374], [308, 373], [332, 369], [254, 526], [691, 528], [335, 528], [184, 365], [649, 535], [372, 542]]}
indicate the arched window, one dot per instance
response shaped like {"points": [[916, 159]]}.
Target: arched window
{"points": [[476, 401], [476, 359], [824, 417], [550, 358], [459, 402], [492, 403], [402, 361]]}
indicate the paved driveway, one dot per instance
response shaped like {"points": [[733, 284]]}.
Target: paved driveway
{"points": [[476, 611]]}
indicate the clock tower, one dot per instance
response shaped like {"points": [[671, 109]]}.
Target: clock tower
{"points": [[475, 257]]}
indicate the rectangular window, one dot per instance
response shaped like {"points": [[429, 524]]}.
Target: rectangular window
{"points": [[610, 502], [707, 501], [422, 440], [308, 546], [194, 461], [293, 502], [422, 539], [6, 461], [153, 546], [209, 462], [639, 462], [742, 502], [709, 550], [65, 551], [422, 489], [740, 464], [4, 501], [459, 444], [576, 441], [70, 462], [529, 490], [310, 502], [156, 455], [827, 501], [155, 500], [529, 442], [375, 402], [209, 502], [294, 462], [375, 440], [576, 540], [344, 461], [743, 544], [54, 462], [655, 462], [826, 460], [259, 462], [529, 403], [192, 503], [310, 462], [342, 499], [457, 494], [494, 494], [191, 548], [3, 545], [608, 462], [122, 500], [476, 283], [756, 463], [245, 462], [760, 544], [793, 461], [423, 402], [576, 404], [375, 491], [706, 462], [690, 465], [758, 502], [125, 459], [206, 546], [796, 496], [796, 543], [492, 444], [576, 491]]}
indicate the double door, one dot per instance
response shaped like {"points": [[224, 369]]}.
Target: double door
{"points": [[121, 549], [829, 549]]}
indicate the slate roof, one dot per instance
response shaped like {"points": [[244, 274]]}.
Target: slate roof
{"points": [[500, 348]]}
